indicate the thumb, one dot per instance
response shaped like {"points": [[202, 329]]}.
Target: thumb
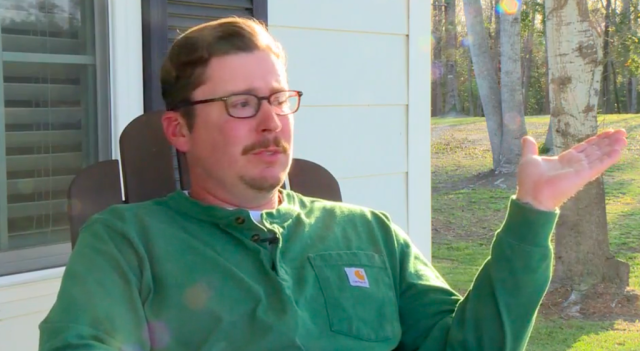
{"points": [[529, 147]]}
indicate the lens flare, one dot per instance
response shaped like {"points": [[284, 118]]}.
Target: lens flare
{"points": [[426, 43], [436, 70], [508, 7]]}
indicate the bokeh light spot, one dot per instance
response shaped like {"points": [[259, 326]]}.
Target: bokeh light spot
{"points": [[508, 7], [436, 70], [158, 335], [196, 297]]}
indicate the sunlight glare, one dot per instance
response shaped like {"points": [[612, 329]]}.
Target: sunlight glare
{"points": [[508, 7]]}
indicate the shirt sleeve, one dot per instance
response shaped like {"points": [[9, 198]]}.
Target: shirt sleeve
{"points": [[499, 310], [99, 305]]}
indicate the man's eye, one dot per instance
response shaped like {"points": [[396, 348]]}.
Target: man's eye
{"points": [[241, 104]]}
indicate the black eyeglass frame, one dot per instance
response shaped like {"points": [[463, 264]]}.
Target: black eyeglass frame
{"points": [[226, 106]]}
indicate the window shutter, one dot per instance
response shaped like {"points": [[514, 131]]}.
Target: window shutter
{"points": [[165, 20], [182, 15]]}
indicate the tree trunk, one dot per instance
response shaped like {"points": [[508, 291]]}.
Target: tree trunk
{"points": [[634, 80], [628, 20], [437, 70], [614, 83], [479, 110], [582, 254], [606, 97], [513, 123], [548, 141], [546, 108], [528, 62], [451, 97], [634, 95], [497, 39], [472, 112], [485, 75]]}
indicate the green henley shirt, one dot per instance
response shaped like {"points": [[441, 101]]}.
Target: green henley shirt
{"points": [[174, 274]]}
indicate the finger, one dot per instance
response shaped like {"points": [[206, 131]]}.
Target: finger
{"points": [[596, 150], [603, 146], [580, 147], [601, 164], [594, 147], [594, 139], [618, 142], [619, 136], [620, 132], [529, 147], [594, 156], [585, 144]]}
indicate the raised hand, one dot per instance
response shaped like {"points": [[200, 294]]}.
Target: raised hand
{"points": [[548, 182]]}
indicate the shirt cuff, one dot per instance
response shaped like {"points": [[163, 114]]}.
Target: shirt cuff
{"points": [[527, 225]]}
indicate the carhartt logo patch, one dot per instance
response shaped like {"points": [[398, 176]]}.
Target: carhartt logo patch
{"points": [[357, 277]]}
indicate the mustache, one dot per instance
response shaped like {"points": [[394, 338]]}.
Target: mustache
{"points": [[265, 143]]}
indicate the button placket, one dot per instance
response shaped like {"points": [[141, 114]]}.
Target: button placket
{"points": [[274, 249], [248, 230]]}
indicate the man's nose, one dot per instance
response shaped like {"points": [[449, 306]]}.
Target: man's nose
{"points": [[269, 120]]}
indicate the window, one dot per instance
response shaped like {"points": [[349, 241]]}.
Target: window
{"points": [[54, 120]]}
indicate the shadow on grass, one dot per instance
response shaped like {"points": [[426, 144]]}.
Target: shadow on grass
{"points": [[563, 335]]}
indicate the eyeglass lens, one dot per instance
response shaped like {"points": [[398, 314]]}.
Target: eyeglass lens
{"points": [[248, 105]]}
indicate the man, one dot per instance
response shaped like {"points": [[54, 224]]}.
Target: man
{"points": [[237, 264]]}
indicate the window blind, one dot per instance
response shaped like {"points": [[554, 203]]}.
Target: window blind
{"points": [[49, 115]]}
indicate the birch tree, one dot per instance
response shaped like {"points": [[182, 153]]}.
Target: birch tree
{"points": [[583, 257], [513, 124], [502, 105], [486, 76], [451, 97]]}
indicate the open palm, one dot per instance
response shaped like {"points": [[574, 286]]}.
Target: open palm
{"points": [[548, 182]]}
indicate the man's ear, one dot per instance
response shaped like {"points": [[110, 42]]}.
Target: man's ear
{"points": [[176, 130]]}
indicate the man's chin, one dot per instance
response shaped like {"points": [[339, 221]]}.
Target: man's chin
{"points": [[264, 184]]}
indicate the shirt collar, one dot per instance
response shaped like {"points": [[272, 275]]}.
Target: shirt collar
{"points": [[181, 202]]}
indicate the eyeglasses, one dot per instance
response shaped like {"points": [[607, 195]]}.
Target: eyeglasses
{"points": [[248, 105]]}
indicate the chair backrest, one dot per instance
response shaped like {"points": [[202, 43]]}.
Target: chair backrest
{"points": [[149, 168], [92, 190]]}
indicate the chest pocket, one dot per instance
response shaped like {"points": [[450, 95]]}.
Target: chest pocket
{"points": [[359, 294]]}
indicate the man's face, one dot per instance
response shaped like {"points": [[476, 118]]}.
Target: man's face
{"points": [[240, 154]]}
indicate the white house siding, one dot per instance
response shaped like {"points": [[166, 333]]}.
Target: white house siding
{"points": [[355, 61], [26, 298]]}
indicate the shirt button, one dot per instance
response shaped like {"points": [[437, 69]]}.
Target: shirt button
{"points": [[255, 238], [239, 220]]}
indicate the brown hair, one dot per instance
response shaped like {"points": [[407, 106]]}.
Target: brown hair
{"points": [[183, 69]]}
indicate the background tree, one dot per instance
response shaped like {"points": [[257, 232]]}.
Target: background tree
{"points": [[503, 105], [513, 123], [451, 98], [583, 258], [485, 74]]}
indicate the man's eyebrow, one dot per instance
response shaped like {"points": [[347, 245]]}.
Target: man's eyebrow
{"points": [[253, 91]]}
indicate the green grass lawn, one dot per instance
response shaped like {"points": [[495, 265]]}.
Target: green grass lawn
{"points": [[466, 212]]}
